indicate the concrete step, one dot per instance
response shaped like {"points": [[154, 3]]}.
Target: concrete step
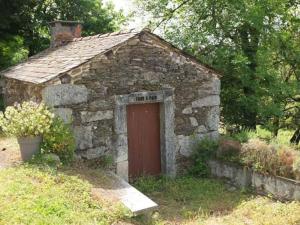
{"points": [[120, 190]]}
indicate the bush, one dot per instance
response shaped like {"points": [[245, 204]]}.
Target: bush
{"points": [[202, 151], [59, 140], [229, 150], [260, 156], [286, 157], [26, 119], [267, 158], [296, 168]]}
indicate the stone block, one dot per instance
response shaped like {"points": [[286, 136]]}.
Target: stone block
{"points": [[64, 113], [120, 119], [100, 104], [194, 121], [84, 137], [94, 153], [214, 135], [121, 148], [184, 144], [187, 110], [96, 116], [213, 118], [258, 181], [64, 94], [213, 100], [296, 194], [285, 190], [201, 129], [216, 86], [122, 170]]}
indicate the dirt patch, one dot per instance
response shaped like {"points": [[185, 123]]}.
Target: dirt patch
{"points": [[9, 152]]}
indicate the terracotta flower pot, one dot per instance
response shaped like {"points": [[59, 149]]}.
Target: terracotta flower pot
{"points": [[29, 146]]}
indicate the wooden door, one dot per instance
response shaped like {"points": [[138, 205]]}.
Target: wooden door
{"points": [[143, 127]]}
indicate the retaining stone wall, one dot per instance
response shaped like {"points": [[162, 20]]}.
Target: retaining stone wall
{"points": [[279, 187]]}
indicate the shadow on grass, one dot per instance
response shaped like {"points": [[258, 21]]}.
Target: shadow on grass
{"points": [[184, 200], [187, 200]]}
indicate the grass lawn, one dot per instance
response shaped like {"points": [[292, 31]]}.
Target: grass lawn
{"points": [[209, 202], [32, 194], [35, 194]]}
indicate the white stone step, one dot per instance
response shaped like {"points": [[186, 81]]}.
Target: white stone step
{"points": [[129, 196]]}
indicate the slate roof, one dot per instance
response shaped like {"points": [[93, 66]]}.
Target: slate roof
{"points": [[55, 61]]}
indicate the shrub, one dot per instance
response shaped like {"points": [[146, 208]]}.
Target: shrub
{"points": [[202, 151], [229, 150], [26, 119], [59, 140], [267, 158], [286, 157], [260, 156], [296, 167]]}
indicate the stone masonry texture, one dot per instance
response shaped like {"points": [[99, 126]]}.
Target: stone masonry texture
{"points": [[142, 63]]}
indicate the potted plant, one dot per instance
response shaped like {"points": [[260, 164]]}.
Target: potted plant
{"points": [[27, 122]]}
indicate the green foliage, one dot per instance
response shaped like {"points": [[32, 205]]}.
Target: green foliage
{"points": [[26, 119], [244, 135], [202, 151], [24, 27], [282, 138], [36, 195], [148, 184], [51, 160], [12, 51], [181, 189], [106, 161], [59, 140], [255, 46]]}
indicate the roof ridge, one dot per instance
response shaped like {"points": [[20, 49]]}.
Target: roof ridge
{"points": [[125, 31]]}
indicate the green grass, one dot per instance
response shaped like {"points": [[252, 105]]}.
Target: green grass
{"points": [[33, 195], [206, 201], [36, 194], [283, 137]]}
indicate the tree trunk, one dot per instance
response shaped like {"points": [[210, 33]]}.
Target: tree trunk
{"points": [[276, 126], [296, 137]]}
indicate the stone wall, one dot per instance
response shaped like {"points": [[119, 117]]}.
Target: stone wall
{"points": [[279, 187], [88, 93], [18, 91]]}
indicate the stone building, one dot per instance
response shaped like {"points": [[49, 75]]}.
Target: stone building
{"points": [[129, 94]]}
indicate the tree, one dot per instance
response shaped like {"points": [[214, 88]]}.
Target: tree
{"points": [[240, 39], [24, 26]]}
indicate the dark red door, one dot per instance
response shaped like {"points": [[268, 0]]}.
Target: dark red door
{"points": [[143, 127]]}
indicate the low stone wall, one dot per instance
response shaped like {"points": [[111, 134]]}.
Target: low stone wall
{"points": [[279, 187]]}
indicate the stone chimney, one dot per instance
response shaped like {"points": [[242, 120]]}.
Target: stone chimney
{"points": [[63, 32]]}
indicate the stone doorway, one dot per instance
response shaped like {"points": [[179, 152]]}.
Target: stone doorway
{"points": [[165, 99]]}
